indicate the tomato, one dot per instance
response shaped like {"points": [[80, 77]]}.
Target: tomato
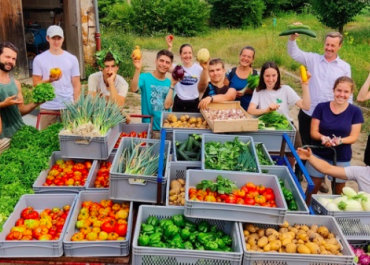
{"points": [[132, 134], [78, 237], [69, 182], [260, 199], [53, 230], [78, 166], [45, 237], [246, 190], [106, 203], [112, 236], [253, 193], [26, 237], [19, 222], [230, 199], [88, 165], [120, 229], [270, 196], [239, 193], [249, 201], [87, 204], [239, 201], [210, 198], [108, 226], [29, 213], [261, 189], [250, 185], [171, 37]]}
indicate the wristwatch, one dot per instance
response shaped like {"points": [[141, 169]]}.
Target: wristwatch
{"points": [[172, 88]]}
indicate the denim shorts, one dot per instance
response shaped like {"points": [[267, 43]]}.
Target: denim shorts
{"points": [[314, 173]]}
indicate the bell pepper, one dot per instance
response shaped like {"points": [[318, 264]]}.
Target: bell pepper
{"points": [[191, 226], [203, 226], [152, 220], [227, 240], [147, 229], [143, 240], [179, 220], [220, 243], [292, 205], [193, 236], [158, 229], [281, 182], [185, 233], [176, 238], [188, 245], [158, 245], [200, 248], [219, 233], [179, 245], [205, 237], [155, 238], [288, 195], [170, 231], [165, 222], [197, 244], [228, 249], [211, 245], [213, 228]]}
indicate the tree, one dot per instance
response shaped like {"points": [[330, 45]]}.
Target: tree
{"points": [[337, 13]]}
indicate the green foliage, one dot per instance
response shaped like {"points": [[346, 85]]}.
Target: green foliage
{"points": [[105, 7], [119, 15], [43, 92], [336, 14], [274, 6], [236, 14], [27, 93]]}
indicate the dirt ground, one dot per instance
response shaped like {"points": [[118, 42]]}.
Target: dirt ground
{"points": [[133, 106]]}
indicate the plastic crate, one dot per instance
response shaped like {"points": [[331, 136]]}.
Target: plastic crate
{"points": [[39, 188], [283, 173], [169, 131], [229, 138], [36, 248], [235, 212], [97, 248], [73, 146], [181, 136], [94, 173], [167, 256], [137, 188], [271, 258], [134, 127], [354, 225], [265, 152], [177, 170]]}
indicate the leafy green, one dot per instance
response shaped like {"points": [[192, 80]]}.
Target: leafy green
{"points": [[261, 155], [43, 92], [274, 120], [222, 185]]}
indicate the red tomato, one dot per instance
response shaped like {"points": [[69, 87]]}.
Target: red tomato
{"points": [[230, 199], [270, 196], [171, 37], [239, 201], [29, 213], [261, 189], [108, 226], [253, 193], [19, 222], [88, 164], [249, 201], [120, 229], [132, 134], [250, 185]]}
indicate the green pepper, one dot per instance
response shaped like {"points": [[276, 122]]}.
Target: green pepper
{"points": [[197, 244], [205, 237], [227, 240], [203, 226], [152, 220], [147, 229], [281, 182], [213, 228], [158, 229], [211, 245], [179, 244], [220, 243], [165, 222], [143, 240], [200, 248], [188, 245], [170, 231], [158, 245], [176, 238], [292, 205], [179, 220], [185, 234], [191, 226], [193, 236], [288, 195], [220, 233], [228, 249], [155, 238]]}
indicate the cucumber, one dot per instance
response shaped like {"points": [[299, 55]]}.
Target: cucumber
{"points": [[182, 146], [299, 31], [182, 155], [292, 26]]}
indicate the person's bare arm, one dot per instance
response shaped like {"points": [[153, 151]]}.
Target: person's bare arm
{"points": [[321, 165], [120, 100], [135, 79], [253, 110], [364, 93], [76, 84], [169, 98], [305, 102], [315, 134], [37, 79], [24, 109], [204, 78], [353, 136], [229, 96]]}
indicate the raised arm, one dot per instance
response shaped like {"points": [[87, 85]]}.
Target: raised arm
{"points": [[364, 93], [135, 79], [204, 78]]}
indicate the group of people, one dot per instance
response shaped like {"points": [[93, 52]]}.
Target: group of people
{"points": [[327, 117]]}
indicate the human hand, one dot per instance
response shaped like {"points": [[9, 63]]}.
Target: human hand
{"points": [[205, 65], [169, 41], [111, 77], [53, 79], [128, 118], [204, 102], [308, 78], [12, 100], [239, 94], [274, 106], [137, 63], [304, 154]]}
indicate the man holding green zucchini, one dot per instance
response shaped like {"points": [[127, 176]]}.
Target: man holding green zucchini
{"points": [[360, 174]]}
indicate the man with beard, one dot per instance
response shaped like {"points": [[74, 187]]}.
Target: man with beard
{"points": [[11, 99], [325, 69], [156, 89]]}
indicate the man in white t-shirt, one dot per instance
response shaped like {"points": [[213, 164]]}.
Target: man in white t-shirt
{"points": [[360, 174], [107, 82], [67, 85]]}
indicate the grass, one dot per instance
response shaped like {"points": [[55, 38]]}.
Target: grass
{"points": [[227, 43]]}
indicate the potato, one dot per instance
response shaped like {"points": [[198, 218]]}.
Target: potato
{"points": [[199, 120], [319, 241], [193, 120], [172, 117], [285, 235], [291, 248], [303, 237], [187, 117], [251, 228], [332, 248], [331, 235], [283, 230], [246, 233], [272, 238], [254, 248], [304, 228], [297, 226], [314, 248], [285, 224], [323, 231], [275, 245], [261, 232], [252, 241], [173, 198], [300, 242], [286, 241], [293, 229], [181, 181], [247, 246], [267, 247], [262, 242], [314, 227], [183, 118], [182, 202], [332, 240], [271, 231], [175, 191], [302, 249], [175, 184]]}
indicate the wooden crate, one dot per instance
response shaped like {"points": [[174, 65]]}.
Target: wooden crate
{"points": [[219, 126]]}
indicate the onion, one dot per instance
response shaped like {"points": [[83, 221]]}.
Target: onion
{"points": [[364, 259], [178, 72], [358, 252]]}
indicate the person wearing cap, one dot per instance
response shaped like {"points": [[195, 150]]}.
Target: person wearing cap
{"points": [[67, 85]]}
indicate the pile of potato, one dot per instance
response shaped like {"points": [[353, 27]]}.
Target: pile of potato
{"points": [[177, 192], [185, 121], [300, 239]]}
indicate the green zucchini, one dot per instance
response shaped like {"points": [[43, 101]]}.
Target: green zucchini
{"points": [[292, 26], [189, 145], [183, 156], [299, 31], [182, 146]]}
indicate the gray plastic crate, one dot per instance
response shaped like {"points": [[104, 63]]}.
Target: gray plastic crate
{"points": [[169, 131], [229, 138], [137, 188], [94, 173], [97, 248], [161, 256], [135, 127], [36, 248], [181, 136], [99, 148], [235, 212], [354, 225], [39, 188], [177, 170], [271, 258], [265, 152], [283, 173]]}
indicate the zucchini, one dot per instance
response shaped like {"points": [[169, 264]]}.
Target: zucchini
{"points": [[183, 156], [292, 26], [189, 145], [299, 31], [182, 146]]}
